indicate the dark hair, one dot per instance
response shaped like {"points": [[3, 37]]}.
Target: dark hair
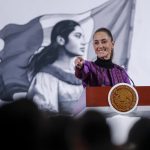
{"points": [[92, 130], [106, 31], [50, 53]]}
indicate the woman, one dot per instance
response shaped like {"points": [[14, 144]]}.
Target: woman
{"points": [[54, 86], [102, 72]]}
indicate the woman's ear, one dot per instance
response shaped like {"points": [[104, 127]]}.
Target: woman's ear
{"points": [[60, 40], [113, 43]]}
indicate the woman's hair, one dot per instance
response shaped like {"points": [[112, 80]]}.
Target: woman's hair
{"points": [[108, 32], [50, 53]]}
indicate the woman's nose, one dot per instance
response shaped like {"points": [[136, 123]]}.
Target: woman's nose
{"points": [[83, 43], [100, 44]]}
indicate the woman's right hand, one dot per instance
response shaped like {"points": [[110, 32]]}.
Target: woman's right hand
{"points": [[79, 61]]}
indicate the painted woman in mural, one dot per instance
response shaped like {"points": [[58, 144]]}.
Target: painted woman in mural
{"points": [[54, 86], [102, 72]]}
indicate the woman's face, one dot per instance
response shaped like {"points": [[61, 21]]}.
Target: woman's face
{"points": [[103, 45], [76, 42]]}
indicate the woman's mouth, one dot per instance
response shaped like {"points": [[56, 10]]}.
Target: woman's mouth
{"points": [[82, 49]]}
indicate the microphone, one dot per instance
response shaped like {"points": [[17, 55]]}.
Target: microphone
{"points": [[128, 75], [131, 80]]}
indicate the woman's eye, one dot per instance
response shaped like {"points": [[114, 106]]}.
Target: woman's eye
{"points": [[103, 42], [78, 35], [96, 43]]}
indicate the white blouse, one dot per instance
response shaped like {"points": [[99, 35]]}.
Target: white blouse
{"points": [[53, 94]]}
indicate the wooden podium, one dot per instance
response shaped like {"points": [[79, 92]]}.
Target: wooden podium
{"points": [[98, 96], [97, 99]]}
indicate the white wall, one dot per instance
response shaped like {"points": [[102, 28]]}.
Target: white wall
{"points": [[139, 64]]}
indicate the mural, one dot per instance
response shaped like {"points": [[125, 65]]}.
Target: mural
{"points": [[37, 59]]}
